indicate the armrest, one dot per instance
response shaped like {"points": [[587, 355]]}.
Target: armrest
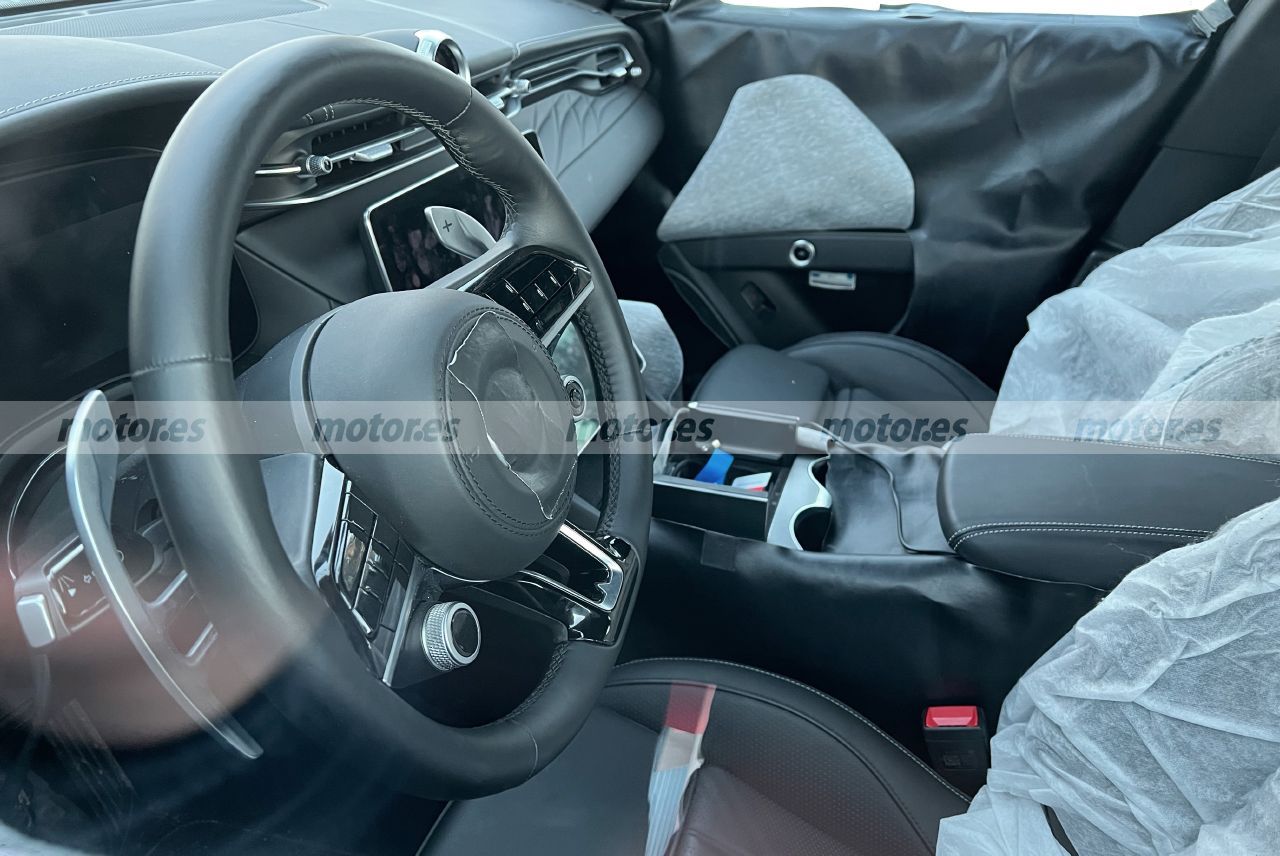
{"points": [[1088, 512]]}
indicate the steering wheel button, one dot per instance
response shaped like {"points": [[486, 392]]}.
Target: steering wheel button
{"points": [[352, 561], [556, 306], [359, 513], [376, 582], [404, 555], [385, 534], [368, 609], [536, 295]]}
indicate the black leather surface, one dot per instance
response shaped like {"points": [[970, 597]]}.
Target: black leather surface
{"points": [[759, 374], [842, 370], [216, 504], [872, 516], [1088, 512], [787, 771]]}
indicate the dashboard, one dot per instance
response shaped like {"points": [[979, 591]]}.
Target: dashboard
{"points": [[334, 213]]}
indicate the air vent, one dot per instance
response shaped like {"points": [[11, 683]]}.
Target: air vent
{"points": [[592, 69], [343, 146], [308, 165]]}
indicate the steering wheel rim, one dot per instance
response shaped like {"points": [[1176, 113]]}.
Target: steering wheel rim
{"points": [[216, 503]]}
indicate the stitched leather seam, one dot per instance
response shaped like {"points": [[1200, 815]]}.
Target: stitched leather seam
{"points": [[852, 750], [451, 143], [98, 87], [564, 166], [964, 534], [1176, 449], [553, 668], [820, 694], [1081, 531], [1076, 523], [181, 361], [613, 463]]}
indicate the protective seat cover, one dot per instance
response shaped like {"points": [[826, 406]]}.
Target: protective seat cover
{"points": [[832, 376], [787, 770]]}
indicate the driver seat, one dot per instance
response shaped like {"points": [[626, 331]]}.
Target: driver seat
{"points": [[786, 769]]}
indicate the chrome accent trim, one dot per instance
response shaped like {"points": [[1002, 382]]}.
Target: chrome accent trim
{"points": [[437, 640], [90, 489], [432, 42], [16, 505], [350, 185], [611, 589], [309, 166], [471, 239], [799, 247], [850, 283], [277, 171], [571, 383], [524, 84], [572, 309], [64, 561], [373, 152], [36, 621]]}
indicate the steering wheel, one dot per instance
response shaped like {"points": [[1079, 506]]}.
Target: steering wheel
{"points": [[470, 514]]}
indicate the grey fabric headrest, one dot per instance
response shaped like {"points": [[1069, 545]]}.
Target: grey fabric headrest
{"points": [[793, 154]]}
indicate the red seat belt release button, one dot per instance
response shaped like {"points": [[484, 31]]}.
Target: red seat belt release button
{"points": [[954, 716], [956, 737]]}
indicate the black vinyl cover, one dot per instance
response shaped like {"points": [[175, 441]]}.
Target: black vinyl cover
{"points": [[1024, 133], [1088, 512]]}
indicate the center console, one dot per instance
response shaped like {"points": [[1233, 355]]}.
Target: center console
{"points": [[762, 494], [1031, 532]]}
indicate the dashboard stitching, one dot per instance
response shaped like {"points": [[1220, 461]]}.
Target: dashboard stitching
{"points": [[96, 87]]}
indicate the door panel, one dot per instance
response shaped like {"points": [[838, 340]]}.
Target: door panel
{"points": [[1023, 132]]}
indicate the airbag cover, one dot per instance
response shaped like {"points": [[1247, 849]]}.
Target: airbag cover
{"points": [[485, 490]]}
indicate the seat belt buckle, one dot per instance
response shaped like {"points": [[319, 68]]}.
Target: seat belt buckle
{"points": [[956, 737]]}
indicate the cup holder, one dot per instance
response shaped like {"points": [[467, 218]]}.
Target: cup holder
{"points": [[810, 528], [804, 510]]}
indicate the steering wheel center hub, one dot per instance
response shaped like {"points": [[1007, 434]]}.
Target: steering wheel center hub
{"points": [[485, 490]]}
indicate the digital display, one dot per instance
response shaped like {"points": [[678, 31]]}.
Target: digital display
{"points": [[407, 252], [66, 258]]}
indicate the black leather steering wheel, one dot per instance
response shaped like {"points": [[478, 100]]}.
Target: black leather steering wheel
{"points": [[463, 516]]}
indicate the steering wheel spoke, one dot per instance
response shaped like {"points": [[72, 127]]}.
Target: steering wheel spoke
{"points": [[582, 581], [168, 629], [544, 289]]}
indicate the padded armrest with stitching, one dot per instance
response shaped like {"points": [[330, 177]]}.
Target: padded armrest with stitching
{"points": [[1084, 511]]}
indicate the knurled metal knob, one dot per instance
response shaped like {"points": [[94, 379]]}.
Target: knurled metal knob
{"points": [[451, 636]]}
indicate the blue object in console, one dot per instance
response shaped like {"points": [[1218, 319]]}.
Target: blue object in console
{"points": [[716, 468]]}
